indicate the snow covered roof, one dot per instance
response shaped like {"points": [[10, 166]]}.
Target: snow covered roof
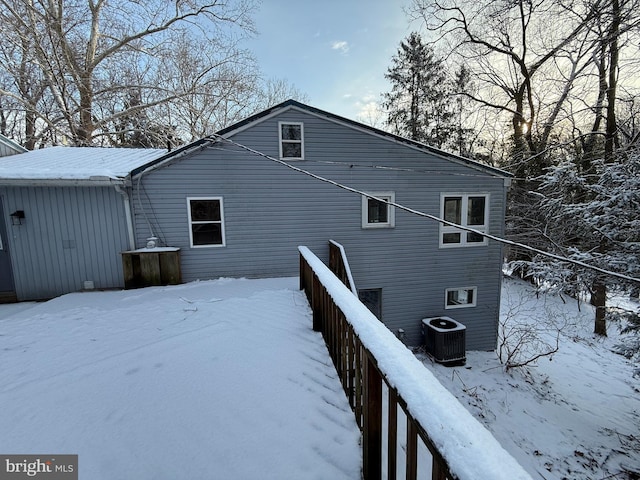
{"points": [[74, 165]]}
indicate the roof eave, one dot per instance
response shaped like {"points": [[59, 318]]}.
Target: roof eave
{"points": [[12, 144], [63, 182], [171, 156]]}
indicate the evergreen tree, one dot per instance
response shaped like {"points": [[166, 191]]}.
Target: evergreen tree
{"points": [[418, 106], [463, 136]]}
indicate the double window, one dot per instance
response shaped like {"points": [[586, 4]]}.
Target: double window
{"points": [[460, 297], [291, 140], [376, 212], [206, 221], [468, 210]]}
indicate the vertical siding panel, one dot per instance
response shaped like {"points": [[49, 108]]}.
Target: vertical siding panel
{"points": [[93, 217]]}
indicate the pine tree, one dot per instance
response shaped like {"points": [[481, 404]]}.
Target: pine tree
{"points": [[418, 106], [463, 136]]}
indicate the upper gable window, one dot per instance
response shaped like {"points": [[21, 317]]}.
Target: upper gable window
{"points": [[376, 213], [291, 140], [469, 210], [206, 222]]}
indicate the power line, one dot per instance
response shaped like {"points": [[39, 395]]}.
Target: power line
{"points": [[395, 169], [429, 216]]}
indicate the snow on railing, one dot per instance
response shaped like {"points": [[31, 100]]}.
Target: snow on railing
{"points": [[369, 359], [339, 264]]}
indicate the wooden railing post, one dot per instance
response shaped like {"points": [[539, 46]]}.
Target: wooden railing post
{"points": [[372, 424], [438, 470], [392, 436], [316, 302], [412, 449]]}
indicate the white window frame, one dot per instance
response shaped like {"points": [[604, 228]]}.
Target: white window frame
{"points": [[281, 140], [444, 229], [391, 211], [474, 291], [191, 222]]}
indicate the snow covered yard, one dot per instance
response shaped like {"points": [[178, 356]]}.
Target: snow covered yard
{"points": [[217, 379], [574, 415], [221, 379]]}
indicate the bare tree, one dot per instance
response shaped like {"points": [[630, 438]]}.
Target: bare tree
{"points": [[513, 57], [557, 86], [74, 62]]}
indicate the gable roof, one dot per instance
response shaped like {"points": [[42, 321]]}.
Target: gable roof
{"points": [[8, 145], [293, 104], [74, 165]]}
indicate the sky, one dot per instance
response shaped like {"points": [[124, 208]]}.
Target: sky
{"points": [[334, 51]]}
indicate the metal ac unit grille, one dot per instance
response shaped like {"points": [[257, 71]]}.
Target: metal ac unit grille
{"points": [[445, 340]]}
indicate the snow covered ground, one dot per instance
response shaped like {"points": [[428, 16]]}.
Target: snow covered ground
{"points": [[222, 379], [219, 379], [574, 415]]}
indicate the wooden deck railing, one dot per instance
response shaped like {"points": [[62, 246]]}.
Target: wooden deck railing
{"points": [[339, 265], [364, 383]]}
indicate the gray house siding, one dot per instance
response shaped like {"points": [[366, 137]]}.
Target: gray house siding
{"points": [[70, 235], [269, 210]]}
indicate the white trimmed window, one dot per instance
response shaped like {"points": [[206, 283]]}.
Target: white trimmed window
{"points": [[291, 140], [376, 213], [469, 210], [206, 222], [460, 297]]}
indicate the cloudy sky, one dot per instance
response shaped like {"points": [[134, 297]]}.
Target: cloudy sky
{"points": [[335, 51]]}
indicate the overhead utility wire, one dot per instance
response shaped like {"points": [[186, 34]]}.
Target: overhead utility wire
{"points": [[429, 216], [393, 169]]}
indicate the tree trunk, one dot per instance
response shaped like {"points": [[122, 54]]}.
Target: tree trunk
{"points": [[614, 32], [29, 130], [599, 300], [85, 127]]}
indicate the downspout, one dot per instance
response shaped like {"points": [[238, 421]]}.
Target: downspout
{"points": [[127, 215]]}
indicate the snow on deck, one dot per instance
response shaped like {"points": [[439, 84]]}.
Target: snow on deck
{"points": [[217, 379]]}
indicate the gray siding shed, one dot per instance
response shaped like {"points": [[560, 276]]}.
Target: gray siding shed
{"points": [[76, 218], [269, 210], [70, 235]]}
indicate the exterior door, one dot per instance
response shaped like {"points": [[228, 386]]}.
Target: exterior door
{"points": [[7, 288]]}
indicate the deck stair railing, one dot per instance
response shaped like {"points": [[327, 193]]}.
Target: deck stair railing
{"points": [[371, 361], [339, 265]]}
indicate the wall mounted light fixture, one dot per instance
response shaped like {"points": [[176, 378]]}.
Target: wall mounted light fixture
{"points": [[17, 217]]}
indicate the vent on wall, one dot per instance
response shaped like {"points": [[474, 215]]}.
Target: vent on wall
{"points": [[445, 340]]}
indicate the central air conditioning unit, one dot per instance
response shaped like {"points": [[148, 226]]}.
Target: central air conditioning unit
{"points": [[445, 340]]}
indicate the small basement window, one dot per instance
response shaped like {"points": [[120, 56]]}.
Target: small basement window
{"points": [[377, 214], [372, 299], [460, 297], [291, 140], [206, 222]]}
